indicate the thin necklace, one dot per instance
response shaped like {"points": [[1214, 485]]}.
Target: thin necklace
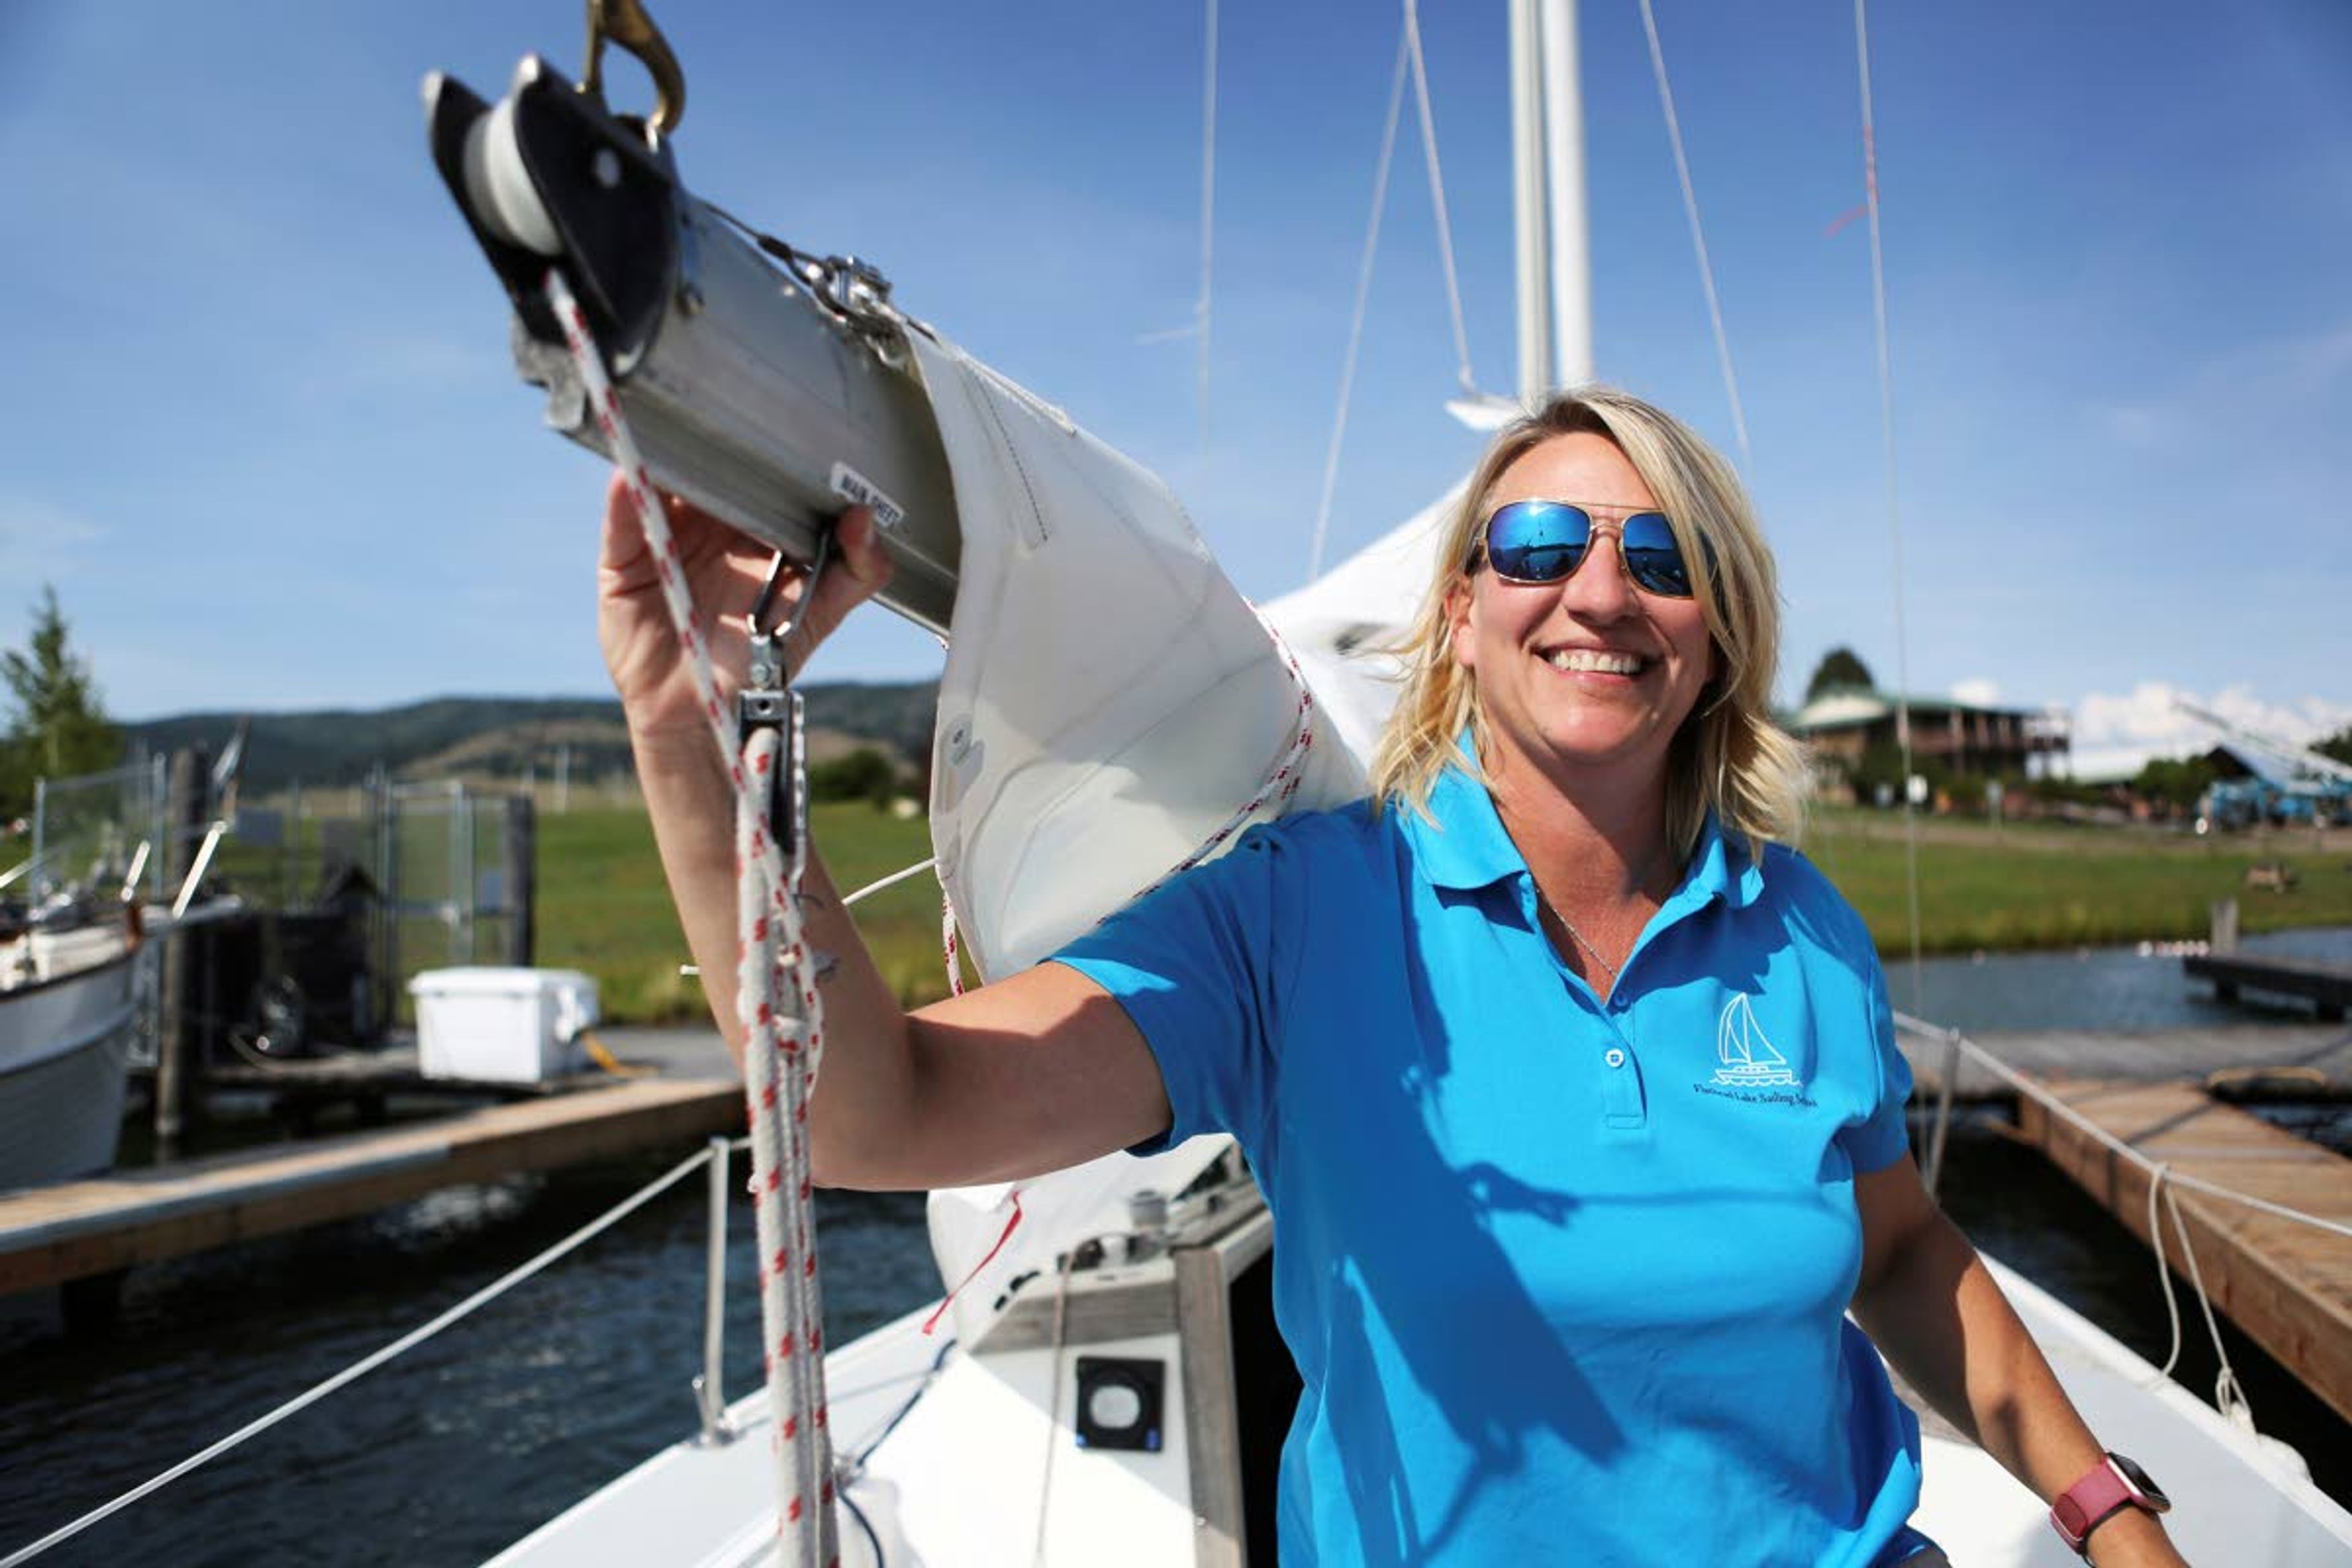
{"points": [[1581, 939]]}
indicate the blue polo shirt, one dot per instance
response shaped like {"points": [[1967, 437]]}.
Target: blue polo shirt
{"points": [[1565, 1280]]}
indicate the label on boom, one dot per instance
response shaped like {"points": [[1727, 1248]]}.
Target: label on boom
{"points": [[859, 491]]}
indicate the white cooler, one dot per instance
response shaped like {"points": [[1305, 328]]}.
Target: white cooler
{"points": [[505, 1026]]}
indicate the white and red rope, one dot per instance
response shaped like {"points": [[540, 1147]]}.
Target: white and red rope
{"points": [[777, 1000]]}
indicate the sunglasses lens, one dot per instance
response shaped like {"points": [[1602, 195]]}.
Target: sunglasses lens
{"points": [[1537, 541], [1652, 559]]}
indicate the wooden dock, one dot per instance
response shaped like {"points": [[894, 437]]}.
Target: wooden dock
{"points": [[50, 1235], [2299, 1061], [2287, 1285], [2326, 986]]}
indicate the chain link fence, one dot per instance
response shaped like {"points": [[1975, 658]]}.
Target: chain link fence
{"points": [[87, 829]]}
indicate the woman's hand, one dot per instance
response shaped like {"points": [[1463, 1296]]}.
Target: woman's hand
{"points": [[724, 570]]}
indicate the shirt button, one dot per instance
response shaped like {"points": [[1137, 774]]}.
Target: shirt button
{"points": [[1615, 1059]]}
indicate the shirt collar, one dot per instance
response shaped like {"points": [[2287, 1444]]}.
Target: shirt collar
{"points": [[1467, 847], [1720, 869]]}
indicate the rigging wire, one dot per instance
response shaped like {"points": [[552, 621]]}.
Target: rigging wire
{"points": [[1894, 505], [1208, 208], [1363, 294], [1698, 240], [1437, 196]]}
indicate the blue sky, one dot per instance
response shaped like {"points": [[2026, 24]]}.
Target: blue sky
{"points": [[263, 438]]}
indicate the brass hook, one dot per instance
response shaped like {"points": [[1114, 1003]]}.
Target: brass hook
{"points": [[624, 21]]}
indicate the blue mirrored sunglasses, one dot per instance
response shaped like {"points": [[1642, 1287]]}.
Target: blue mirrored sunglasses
{"points": [[1539, 541]]}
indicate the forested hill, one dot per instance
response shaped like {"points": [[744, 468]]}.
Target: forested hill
{"points": [[504, 737]]}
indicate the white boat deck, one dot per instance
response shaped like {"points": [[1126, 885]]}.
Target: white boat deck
{"points": [[965, 1477]]}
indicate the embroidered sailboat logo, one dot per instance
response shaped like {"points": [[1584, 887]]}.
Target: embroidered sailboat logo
{"points": [[1749, 1060]]}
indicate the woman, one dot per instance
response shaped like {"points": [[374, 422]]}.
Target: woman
{"points": [[1572, 1092]]}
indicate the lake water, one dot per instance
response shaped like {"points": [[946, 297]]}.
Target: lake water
{"points": [[2095, 988], [468, 1442]]}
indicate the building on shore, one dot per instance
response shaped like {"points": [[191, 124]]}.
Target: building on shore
{"points": [[1855, 730]]}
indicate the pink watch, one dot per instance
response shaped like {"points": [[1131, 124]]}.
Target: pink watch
{"points": [[2112, 1485]]}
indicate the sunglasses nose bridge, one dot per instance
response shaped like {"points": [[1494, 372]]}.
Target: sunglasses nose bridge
{"points": [[1600, 584]]}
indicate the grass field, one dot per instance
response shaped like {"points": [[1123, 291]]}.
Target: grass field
{"points": [[2062, 887], [604, 907]]}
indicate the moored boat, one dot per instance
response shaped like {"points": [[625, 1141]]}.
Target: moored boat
{"points": [[67, 1011]]}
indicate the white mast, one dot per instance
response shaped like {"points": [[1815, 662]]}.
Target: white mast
{"points": [[1554, 248]]}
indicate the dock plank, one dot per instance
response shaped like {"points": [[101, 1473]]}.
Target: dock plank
{"points": [[2287, 1285], [2317, 1054], [55, 1234], [2327, 986]]}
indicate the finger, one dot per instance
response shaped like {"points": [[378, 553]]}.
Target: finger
{"points": [[862, 568], [623, 536], [859, 534]]}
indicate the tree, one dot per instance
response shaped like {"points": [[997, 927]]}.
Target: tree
{"points": [[56, 725], [2339, 746], [865, 773], [1840, 666], [2176, 784]]}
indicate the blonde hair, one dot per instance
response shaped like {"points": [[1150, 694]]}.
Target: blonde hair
{"points": [[1728, 757]]}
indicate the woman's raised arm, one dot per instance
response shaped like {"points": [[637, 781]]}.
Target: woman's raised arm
{"points": [[1037, 1071]]}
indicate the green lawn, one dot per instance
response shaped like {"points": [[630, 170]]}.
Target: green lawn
{"points": [[2042, 886], [603, 908]]}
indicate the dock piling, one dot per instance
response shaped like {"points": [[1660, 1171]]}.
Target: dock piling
{"points": [[2224, 934], [184, 814]]}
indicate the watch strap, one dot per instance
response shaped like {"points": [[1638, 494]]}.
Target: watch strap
{"points": [[2102, 1492]]}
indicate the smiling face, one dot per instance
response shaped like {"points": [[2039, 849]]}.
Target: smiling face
{"points": [[1585, 681]]}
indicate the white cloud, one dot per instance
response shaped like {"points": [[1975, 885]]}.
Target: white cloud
{"points": [[2118, 732], [42, 543], [2298, 368], [1981, 693]]}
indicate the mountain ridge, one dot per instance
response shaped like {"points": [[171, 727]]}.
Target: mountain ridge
{"points": [[508, 736]]}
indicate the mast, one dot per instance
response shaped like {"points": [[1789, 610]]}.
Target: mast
{"points": [[1548, 163]]}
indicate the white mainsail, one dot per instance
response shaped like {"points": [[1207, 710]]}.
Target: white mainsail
{"points": [[1110, 702]]}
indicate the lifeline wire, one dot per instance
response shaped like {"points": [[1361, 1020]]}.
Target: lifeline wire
{"points": [[1698, 242], [368, 1364], [781, 1014], [2229, 1394], [2042, 1096]]}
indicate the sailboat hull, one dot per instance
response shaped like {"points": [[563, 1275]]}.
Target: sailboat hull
{"points": [[64, 1048]]}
